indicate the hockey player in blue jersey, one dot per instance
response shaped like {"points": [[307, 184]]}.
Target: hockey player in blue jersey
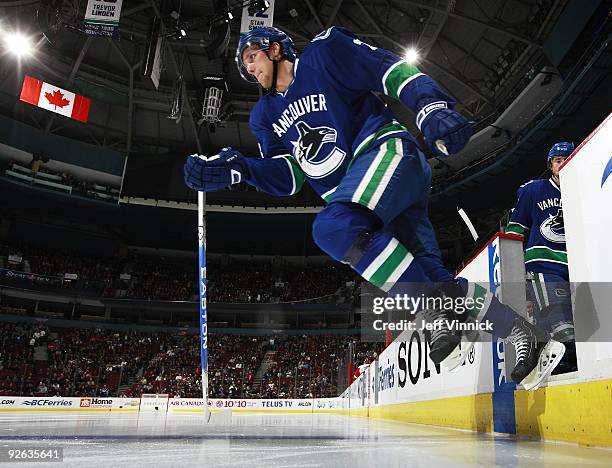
{"points": [[538, 216], [322, 121]]}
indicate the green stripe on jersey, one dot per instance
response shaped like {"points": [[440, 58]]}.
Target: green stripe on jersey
{"points": [[327, 195], [399, 73], [515, 228], [545, 254], [382, 274], [298, 174], [565, 334], [539, 290], [368, 142], [377, 176], [480, 303]]}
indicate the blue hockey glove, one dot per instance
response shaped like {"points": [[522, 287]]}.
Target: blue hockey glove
{"points": [[445, 130], [212, 173]]}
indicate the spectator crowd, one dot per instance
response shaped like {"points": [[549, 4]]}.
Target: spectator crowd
{"points": [[303, 367], [136, 276], [38, 360]]}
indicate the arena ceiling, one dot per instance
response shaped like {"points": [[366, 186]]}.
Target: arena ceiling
{"points": [[478, 49]]}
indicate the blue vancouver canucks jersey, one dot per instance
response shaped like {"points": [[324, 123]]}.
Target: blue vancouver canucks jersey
{"points": [[539, 217], [330, 113]]}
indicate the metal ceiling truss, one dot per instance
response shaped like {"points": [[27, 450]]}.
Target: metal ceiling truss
{"points": [[332, 17], [433, 27], [467, 19], [131, 70], [455, 76], [314, 14], [135, 9], [469, 55]]}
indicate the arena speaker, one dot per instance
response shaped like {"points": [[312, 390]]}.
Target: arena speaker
{"points": [[152, 60]]}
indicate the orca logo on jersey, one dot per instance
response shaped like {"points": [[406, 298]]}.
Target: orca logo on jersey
{"points": [[308, 148], [553, 229], [312, 139]]}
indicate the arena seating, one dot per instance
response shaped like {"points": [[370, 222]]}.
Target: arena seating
{"points": [[136, 276], [37, 360]]}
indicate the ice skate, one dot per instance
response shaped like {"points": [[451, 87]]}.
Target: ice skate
{"points": [[568, 363], [459, 355], [537, 354], [448, 347], [443, 339]]}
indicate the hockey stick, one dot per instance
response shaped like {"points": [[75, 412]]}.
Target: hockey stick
{"points": [[468, 222], [203, 316]]}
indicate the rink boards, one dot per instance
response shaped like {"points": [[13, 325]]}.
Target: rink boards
{"points": [[168, 405]]}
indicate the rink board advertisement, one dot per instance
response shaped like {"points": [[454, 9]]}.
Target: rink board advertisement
{"points": [[309, 405], [182, 405], [69, 404], [406, 373], [175, 405]]}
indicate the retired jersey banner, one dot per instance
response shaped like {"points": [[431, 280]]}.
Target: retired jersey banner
{"points": [[102, 17], [55, 99], [257, 19]]}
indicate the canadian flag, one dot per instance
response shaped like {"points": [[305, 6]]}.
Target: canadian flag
{"points": [[55, 99]]}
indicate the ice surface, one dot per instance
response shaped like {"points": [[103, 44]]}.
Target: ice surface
{"points": [[97, 440]]}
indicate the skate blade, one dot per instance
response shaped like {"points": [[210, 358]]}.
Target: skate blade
{"points": [[459, 355], [550, 356]]}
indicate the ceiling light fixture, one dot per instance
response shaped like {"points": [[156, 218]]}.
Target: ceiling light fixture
{"points": [[18, 44], [411, 55]]}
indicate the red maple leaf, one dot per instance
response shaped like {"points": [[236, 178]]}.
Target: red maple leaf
{"points": [[57, 99]]}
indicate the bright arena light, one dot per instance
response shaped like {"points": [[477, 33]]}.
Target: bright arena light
{"points": [[411, 55], [18, 44]]}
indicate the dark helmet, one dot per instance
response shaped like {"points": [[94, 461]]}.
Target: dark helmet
{"points": [[263, 37], [562, 148]]}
